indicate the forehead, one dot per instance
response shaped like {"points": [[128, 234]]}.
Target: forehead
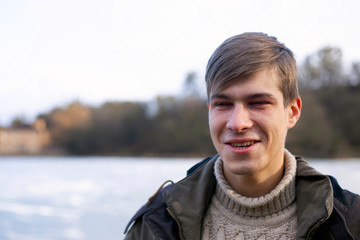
{"points": [[265, 82]]}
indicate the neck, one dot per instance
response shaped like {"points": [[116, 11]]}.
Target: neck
{"points": [[256, 183], [256, 186], [277, 199], [260, 184]]}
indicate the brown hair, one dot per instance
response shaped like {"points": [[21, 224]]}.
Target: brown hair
{"points": [[248, 53]]}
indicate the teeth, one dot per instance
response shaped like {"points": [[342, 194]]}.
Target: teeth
{"points": [[243, 144]]}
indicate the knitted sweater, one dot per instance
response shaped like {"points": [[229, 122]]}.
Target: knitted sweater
{"points": [[231, 216]]}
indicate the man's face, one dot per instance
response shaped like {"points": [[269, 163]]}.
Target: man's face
{"points": [[248, 125]]}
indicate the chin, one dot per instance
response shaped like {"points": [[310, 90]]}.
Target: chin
{"points": [[241, 167], [244, 171]]}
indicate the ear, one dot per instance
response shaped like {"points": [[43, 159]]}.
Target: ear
{"points": [[294, 109]]}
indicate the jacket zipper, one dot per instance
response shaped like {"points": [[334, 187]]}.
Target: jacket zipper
{"points": [[311, 233], [346, 226], [177, 221]]}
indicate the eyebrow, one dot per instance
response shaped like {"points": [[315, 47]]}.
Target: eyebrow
{"points": [[248, 97]]}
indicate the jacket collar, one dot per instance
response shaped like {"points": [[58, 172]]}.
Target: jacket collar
{"points": [[314, 199], [189, 208]]}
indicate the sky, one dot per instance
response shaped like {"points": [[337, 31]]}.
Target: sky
{"points": [[54, 52]]}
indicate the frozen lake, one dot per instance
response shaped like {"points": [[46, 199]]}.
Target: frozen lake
{"points": [[92, 198]]}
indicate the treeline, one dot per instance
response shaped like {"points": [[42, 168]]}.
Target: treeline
{"points": [[178, 125], [330, 91], [168, 126]]}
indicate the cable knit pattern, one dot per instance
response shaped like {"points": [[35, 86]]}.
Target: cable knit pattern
{"points": [[273, 216]]}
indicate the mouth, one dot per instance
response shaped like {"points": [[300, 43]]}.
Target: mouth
{"points": [[242, 145]]}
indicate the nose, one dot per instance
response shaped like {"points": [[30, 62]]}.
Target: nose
{"points": [[239, 119]]}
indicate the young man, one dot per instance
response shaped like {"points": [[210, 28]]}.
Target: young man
{"points": [[254, 188]]}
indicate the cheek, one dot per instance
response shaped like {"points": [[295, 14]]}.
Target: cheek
{"points": [[278, 132], [212, 127], [215, 123], [271, 127]]}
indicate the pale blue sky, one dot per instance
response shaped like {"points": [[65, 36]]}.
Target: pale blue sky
{"points": [[54, 52]]}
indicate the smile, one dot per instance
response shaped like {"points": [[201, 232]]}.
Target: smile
{"points": [[242, 145]]}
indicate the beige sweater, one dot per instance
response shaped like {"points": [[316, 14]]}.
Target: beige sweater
{"points": [[231, 216]]}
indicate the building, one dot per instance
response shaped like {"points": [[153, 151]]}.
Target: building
{"points": [[27, 140]]}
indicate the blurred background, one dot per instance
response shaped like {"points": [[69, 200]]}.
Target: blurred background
{"points": [[104, 78], [93, 93]]}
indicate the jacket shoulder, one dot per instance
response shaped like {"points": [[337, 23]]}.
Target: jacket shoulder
{"points": [[155, 202], [348, 205], [153, 219], [346, 197], [199, 164], [152, 222]]}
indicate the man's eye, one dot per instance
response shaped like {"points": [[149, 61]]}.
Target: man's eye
{"points": [[222, 104], [259, 103]]}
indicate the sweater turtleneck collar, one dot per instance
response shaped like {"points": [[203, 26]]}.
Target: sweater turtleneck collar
{"points": [[281, 197]]}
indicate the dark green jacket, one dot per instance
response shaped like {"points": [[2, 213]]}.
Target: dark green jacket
{"points": [[324, 210]]}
